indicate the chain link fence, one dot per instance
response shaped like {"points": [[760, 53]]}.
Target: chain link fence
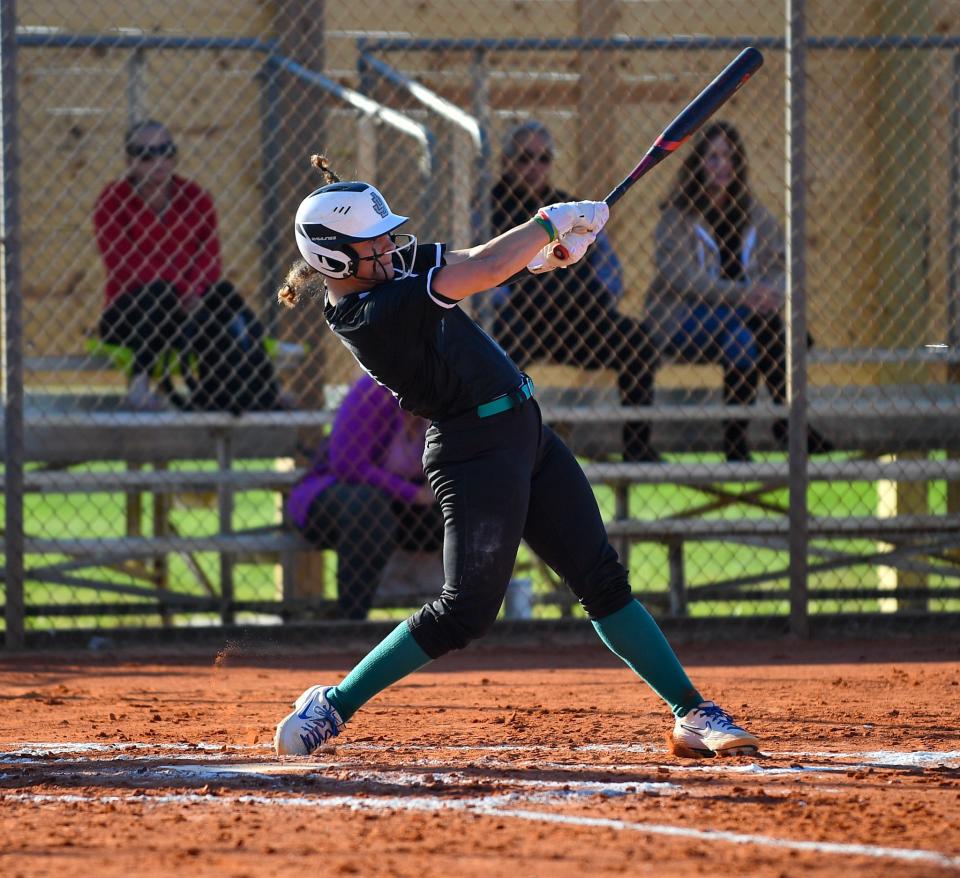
{"points": [[190, 454]]}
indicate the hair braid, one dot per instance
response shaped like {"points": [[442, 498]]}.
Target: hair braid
{"points": [[302, 277], [322, 164]]}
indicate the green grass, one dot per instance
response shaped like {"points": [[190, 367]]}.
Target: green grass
{"points": [[103, 515]]}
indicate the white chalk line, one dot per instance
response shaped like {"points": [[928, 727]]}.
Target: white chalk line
{"points": [[542, 789], [45, 748], [873, 758], [534, 791], [224, 752], [494, 806], [885, 758], [566, 788], [710, 835]]}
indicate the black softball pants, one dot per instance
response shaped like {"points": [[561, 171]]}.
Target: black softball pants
{"points": [[499, 480]]}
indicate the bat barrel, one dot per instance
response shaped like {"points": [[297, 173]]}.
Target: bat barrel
{"points": [[714, 96], [685, 125]]}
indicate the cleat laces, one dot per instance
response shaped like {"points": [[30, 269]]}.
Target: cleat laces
{"points": [[718, 718], [319, 729]]}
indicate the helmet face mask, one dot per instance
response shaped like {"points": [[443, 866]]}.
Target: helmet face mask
{"points": [[402, 254], [333, 218]]}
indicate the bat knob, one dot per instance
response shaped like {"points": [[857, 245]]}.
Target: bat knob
{"points": [[561, 252]]}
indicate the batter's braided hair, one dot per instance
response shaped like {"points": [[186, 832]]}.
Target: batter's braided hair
{"points": [[301, 277]]}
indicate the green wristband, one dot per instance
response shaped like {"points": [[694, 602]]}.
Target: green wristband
{"points": [[548, 226]]}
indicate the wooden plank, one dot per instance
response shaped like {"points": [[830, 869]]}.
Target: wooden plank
{"points": [[68, 363], [905, 408], [168, 482], [147, 547], [770, 473], [888, 356], [639, 529], [139, 422], [720, 529]]}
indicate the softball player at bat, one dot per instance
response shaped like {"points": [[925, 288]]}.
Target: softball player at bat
{"points": [[499, 474]]}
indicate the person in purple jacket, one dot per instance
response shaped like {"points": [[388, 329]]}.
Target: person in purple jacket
{"points": [[366, 494]]}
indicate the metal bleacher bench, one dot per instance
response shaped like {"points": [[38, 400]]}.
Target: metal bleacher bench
{"points": [[101, 357], [873, 423]]}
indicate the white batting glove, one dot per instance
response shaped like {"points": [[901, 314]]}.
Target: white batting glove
{"points": [[575, 216], [573, 245]]}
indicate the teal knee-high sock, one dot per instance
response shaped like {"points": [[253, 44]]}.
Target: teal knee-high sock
{"points": [[633, 634], [397, 655]]}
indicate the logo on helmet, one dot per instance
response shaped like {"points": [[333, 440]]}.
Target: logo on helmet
{"points": [[378, 205]]}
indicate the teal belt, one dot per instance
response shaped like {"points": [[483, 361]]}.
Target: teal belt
{"points": [[507, 401]]}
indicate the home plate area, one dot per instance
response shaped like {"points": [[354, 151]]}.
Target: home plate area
{"points": [[806, 803]]}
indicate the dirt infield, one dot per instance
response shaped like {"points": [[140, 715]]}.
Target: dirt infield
{"points": [[523, 763]]}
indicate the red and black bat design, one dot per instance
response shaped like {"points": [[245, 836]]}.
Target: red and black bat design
{"points": [[690, 118]]}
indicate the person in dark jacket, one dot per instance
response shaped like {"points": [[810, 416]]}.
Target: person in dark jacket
{"points": [[568, 317]]}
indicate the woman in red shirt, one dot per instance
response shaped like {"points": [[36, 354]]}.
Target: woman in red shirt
{"points": [[157, 234]]}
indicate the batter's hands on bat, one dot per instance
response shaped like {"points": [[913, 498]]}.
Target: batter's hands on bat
{"points": [[575, 245], [580, 217]]}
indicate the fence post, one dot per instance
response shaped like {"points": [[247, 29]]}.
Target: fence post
{"points": [[796, 312], [953, 257], [12, 330], [137, 102], [597, 132], [300, 32], [299, 29], [482, 214], [224, 443], [271, 268]]}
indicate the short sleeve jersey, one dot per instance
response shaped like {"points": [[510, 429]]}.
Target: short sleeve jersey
{"points": [[421, 345]]}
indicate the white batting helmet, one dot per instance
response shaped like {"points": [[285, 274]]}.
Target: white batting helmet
{"points": [[336, 216]]}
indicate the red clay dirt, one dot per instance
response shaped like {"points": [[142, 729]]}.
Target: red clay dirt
{"points": [[519, 762]]}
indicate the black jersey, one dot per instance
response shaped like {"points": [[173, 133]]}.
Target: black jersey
{"points": [[421, 345]]}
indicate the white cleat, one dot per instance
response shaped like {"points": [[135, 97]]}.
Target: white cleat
{"points": [[708, 731], [312, 722]]}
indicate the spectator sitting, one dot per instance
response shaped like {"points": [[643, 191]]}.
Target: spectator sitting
{"points": [[571, 316], [366, 495], [157, 234], [720, 283]]}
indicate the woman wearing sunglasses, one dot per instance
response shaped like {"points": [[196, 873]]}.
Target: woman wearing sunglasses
{"points": [[570, 317], [157, 234]]}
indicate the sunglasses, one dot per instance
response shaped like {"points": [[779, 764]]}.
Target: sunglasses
{"points": [[153, 151], [528, 158]]}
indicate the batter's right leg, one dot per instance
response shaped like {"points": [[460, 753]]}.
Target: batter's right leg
{"points": [[565, 529]]}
